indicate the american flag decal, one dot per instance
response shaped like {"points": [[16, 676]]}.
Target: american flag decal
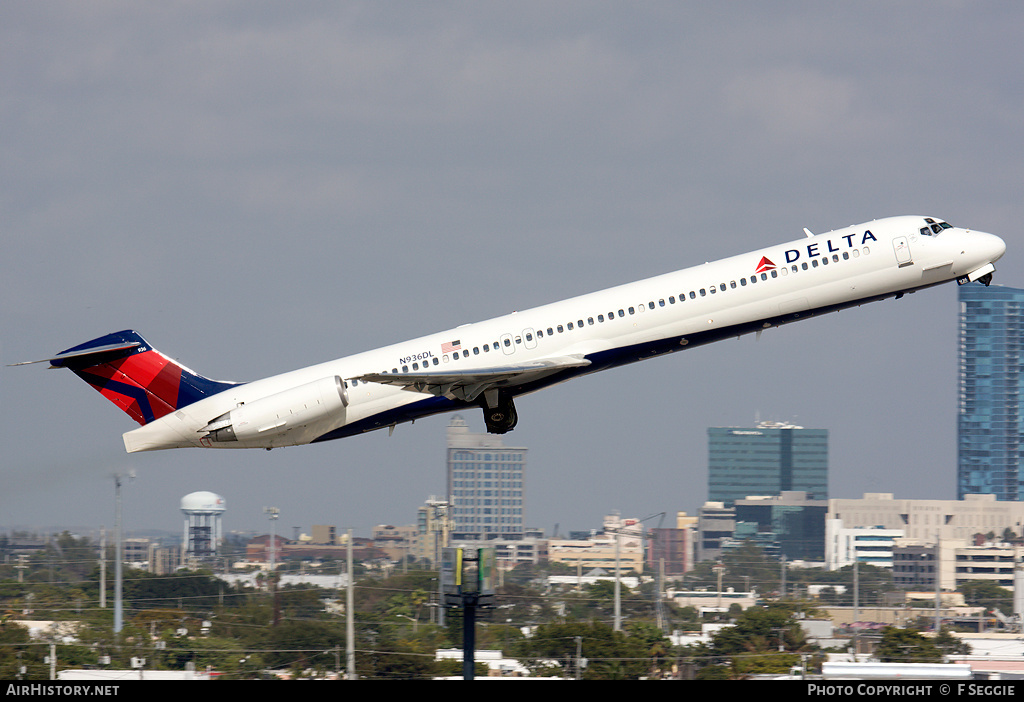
{"points": [[449, 346]]}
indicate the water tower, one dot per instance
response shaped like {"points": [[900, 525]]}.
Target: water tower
{"points": [[203, 530]]}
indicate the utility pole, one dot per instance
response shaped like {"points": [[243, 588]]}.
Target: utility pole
{"points": [[350, 645], [272, 514], [119, 562], [103, 568], [719, 569], [618, 585], [782, 576], [938, 583]]}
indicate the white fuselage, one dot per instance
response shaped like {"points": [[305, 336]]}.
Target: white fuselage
{"points": [[611, 327]]}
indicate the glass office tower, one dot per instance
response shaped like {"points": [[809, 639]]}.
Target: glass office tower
{"points": [[989, 420], [768, 459]]}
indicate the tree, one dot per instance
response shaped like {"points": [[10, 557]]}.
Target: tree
{"points": [[17, 652], [610, 654], [983, 593], [906, 646], [762, 640]]}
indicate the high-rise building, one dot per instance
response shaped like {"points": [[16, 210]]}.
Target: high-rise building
{"points": [[485, 485], [791, 521], [766, 460], [989, 421]]}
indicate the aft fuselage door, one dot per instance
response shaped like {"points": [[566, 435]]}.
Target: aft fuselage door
{"points": [[901, 247]]}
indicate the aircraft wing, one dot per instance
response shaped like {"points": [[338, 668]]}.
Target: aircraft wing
{"points": [[470, 384]]}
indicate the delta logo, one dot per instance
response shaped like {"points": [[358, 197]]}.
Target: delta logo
{"points": [[814, 249]]}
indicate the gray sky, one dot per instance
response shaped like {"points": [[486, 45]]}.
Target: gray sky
{"points": [[260, 186]]}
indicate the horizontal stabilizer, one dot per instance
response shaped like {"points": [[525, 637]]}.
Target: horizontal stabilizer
{"points": [[59, 360]]}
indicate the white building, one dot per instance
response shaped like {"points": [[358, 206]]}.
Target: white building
{"points": [[926, 520], [872, 545]]}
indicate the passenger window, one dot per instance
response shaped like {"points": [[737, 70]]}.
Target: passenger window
{"points": [[508, 342], [569, 326], [671, 299], [560, 329], [579, 323], [600, 318], [632, 310], [590, 320], [650, 305], [713, 290], [703, 292], [405, 369], [551, 332], [743, 282], [476, 350], [435, 360], [692, 294]]}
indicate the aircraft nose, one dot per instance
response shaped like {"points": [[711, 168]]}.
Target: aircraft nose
{"points": [[993, 246]]}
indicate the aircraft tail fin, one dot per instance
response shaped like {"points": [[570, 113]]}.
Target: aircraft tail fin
{"points": [[133, 375]]}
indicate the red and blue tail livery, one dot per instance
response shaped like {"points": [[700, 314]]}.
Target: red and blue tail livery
{"points": [[133, 375], [490, 363]]}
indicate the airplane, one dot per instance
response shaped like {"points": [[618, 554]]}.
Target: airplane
{"points": [[488, 364]]}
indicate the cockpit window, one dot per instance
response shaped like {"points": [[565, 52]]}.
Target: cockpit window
{"points": [[934, 227]]}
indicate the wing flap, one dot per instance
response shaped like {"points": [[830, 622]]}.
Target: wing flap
{"points": [[470, 384]]}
